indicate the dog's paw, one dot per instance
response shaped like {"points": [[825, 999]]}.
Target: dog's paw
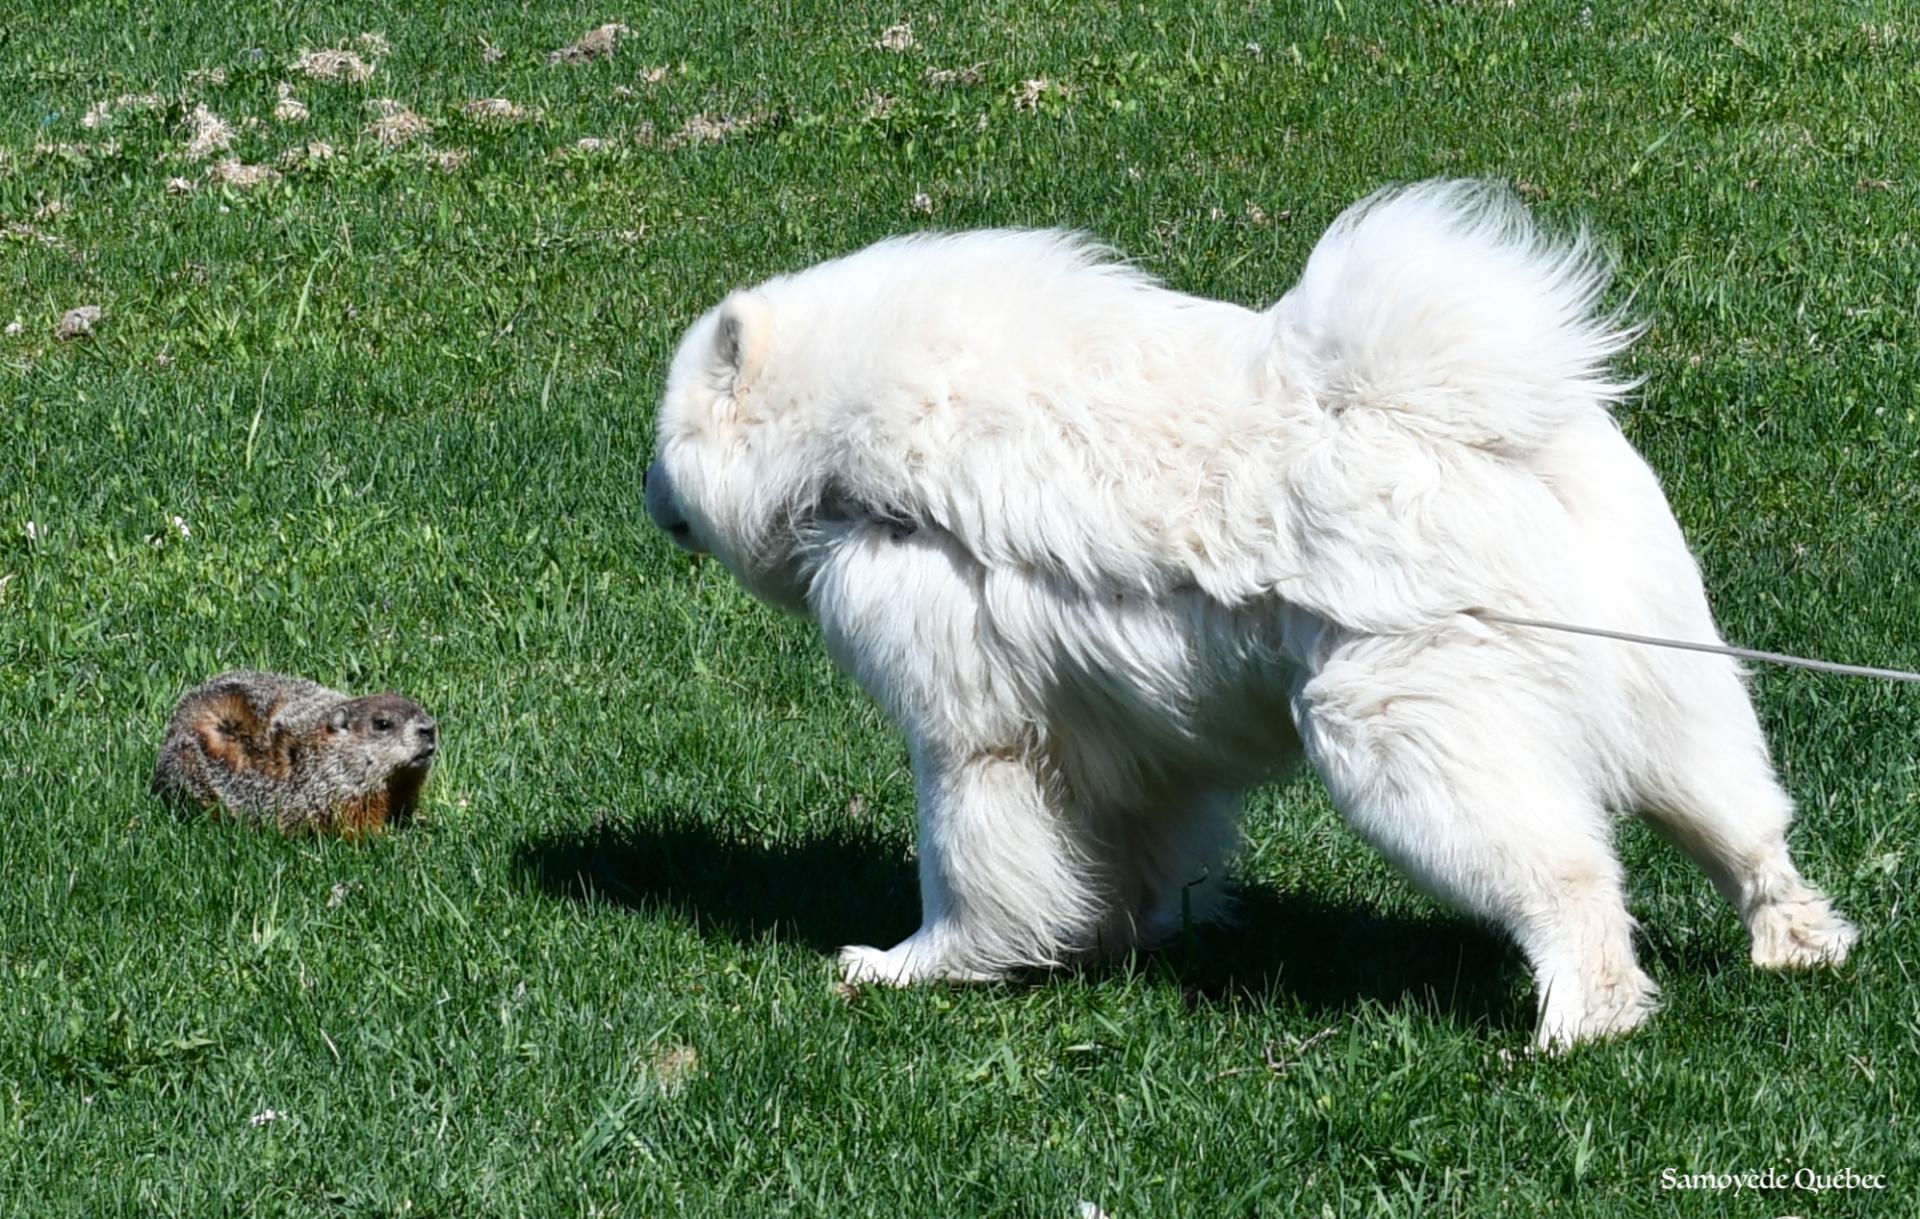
{"points": [[902, 965], [1611, 1004], [1801, 934], [860, 964]]}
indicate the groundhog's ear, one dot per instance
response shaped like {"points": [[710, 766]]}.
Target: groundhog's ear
{"points": [[742, 336], [338, 720]]}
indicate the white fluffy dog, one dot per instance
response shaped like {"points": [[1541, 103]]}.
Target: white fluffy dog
{"points": [[1110, 555]]}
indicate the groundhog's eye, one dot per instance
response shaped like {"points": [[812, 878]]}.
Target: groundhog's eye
{"points": [[382, 724]]}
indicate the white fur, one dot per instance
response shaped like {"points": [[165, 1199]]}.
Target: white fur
{"points": [[1110, 554]]}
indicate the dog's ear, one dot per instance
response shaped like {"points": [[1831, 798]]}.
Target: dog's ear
{"points": [[742, 337]]}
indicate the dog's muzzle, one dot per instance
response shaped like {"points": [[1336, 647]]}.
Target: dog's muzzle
{"points": [[657, 486]]}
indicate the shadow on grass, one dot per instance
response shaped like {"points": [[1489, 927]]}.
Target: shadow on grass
{"points": [[854, 888], [1327, 955], [844, 888]]}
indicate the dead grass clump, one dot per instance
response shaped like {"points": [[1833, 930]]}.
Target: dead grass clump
{"points": [[711, 129], [972, 74], [1028, 96], [449, 160], [78, 323], [289, 109], [397, 126], [26, 234], [332, 65], [594, 44], [241, 176], [499, 111], [897, 38], [314, 152], [675, 1068], [105, 148], [207, 133], [103, 112]]}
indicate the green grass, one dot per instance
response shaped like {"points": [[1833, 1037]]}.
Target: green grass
{"points": [[403, 412]]}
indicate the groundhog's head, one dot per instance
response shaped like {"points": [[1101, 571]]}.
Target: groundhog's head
{"points": [[387, 735], [734, 474]]}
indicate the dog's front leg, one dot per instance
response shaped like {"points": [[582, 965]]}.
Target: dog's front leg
{"points": [[1004, 881]]}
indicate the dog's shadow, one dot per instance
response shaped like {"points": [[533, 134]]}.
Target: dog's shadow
{"points": [[854, 887], [846, 888]]}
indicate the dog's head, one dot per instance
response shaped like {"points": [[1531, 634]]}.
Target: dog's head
{"points": [[733, 476]]}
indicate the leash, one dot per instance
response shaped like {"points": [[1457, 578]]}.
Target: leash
{"points": [[1721, 649]]}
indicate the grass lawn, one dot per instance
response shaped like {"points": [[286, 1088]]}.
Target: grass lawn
{"points": [[380, 419]]}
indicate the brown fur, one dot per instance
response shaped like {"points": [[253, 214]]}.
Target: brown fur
{"points": [[297, 755]]}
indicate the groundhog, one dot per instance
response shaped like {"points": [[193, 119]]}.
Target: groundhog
{"points": [[291, 753]]}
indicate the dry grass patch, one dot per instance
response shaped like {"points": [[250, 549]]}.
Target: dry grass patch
{"points": [[289, 109], [78, 323], [207, 133], [81, 151], [332, 66], [972, 74], [26, 234], [500, 112], [594, 44], [241, 176], [1028, 95], [711, 128], [397, 126], [675, 1068], [307, 155], [897, 38], [103, 112]]}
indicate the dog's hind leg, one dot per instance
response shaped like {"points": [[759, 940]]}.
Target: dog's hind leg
{"points": [[1708, 786], [1479, 803], [1175, 862]]}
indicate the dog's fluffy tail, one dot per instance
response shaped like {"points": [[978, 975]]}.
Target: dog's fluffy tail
{"points": [[1442, 304]]}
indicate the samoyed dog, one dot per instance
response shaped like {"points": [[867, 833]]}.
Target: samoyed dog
{"points": [[1110, 554]]}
